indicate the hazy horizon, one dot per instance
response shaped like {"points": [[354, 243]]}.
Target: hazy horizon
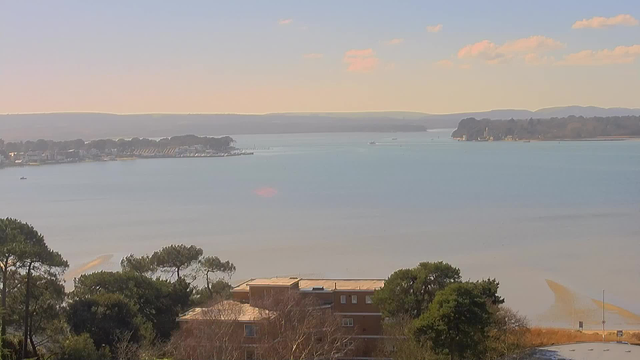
{"points": [[321, 111]]}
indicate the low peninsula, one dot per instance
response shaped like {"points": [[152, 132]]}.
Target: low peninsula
{"points": [[42, 151]]}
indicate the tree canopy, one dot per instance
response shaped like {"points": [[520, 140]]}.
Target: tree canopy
{"points": [[123, 145], [210, 266], [159, 302], [174, 259], [436, 314], [107, 313], [410, 291], [44, 314], [457, 321], [23, 255], [571, 127], [141, 265], [81, 347], [103, 317], [11, 250]]}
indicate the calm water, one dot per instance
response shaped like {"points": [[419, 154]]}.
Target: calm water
{"points": [[332, 205]]}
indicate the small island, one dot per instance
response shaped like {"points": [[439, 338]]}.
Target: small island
{"points": [[567, 128], [41, 151]]}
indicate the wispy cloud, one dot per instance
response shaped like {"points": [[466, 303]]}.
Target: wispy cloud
{"points": [[535, 59], [434, 28], [599, 22], [394, 41], [363, 52], [312, 56], [445, 63], [285, 21], [484, 49], [364, 60], [535, 44], [619, 55], [494, 54]]}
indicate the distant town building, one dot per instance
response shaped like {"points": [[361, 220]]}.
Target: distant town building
{"points": [[33, 157], [49, 155]]}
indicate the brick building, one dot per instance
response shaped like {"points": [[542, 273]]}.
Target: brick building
{"points": [[350, 299]]}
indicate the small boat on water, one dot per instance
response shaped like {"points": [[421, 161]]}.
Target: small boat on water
{"points": [[394, 138], [526, 141], [23, 178], [372, 143]]}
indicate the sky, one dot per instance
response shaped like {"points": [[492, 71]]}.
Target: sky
{"points": [[205, 56]]}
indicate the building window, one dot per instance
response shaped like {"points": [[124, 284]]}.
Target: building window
{"points": [[347, 322], [250, 330], [343, 299], [369, 299], [354, 299]]}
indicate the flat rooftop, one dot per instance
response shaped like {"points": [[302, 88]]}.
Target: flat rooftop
{"points": [[274, 281], [308, 284], [588, 351], [342, 284]]}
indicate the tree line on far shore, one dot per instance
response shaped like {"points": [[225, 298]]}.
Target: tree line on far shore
{"points": [[571, 127], [430, 312], [121, 145]]}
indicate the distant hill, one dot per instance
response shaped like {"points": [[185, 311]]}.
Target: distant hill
{"points": [[586, 111], [411, 115], [546, 113], [88, 126], [65, 126], [500, 114]]}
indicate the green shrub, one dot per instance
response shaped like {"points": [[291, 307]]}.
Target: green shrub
{"points": [[81, 347]]}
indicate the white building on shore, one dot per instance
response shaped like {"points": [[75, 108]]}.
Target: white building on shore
{"points": [[33, 156]]}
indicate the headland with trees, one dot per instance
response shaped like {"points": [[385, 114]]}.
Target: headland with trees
{"points": [[566, 128], [54, 152]]}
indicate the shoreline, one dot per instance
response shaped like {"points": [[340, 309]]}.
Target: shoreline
{"points": [[602, 138], [128, 158], [598, 139]]}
